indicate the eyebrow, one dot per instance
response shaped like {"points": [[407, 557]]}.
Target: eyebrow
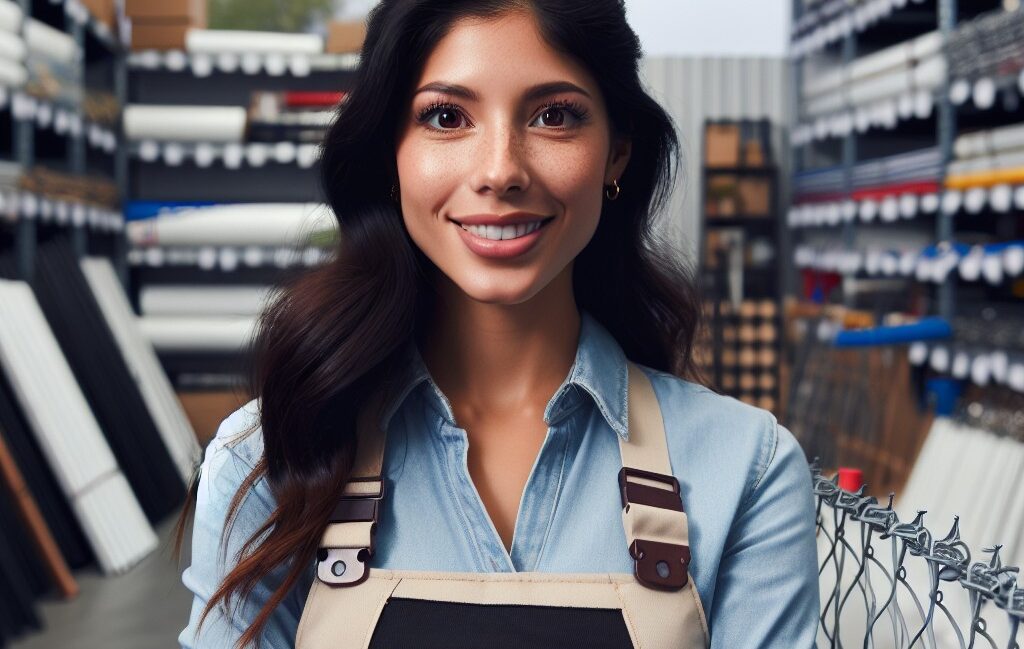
{"points": [[535, 92]]}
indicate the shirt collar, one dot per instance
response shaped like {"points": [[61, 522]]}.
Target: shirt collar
{"points": [[599, 370]]}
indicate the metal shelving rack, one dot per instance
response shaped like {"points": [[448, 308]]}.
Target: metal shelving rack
{"points": [[761, 283], [954, 229], [101, 55], [912, 20], [170, 78]]}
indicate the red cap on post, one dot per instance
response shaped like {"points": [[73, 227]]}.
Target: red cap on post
{"points": [[850, 479]]}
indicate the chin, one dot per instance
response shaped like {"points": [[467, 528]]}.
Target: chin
{"points": [[492, 290]]}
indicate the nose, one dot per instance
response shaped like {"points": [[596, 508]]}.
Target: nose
{"points": [[501, 167]]}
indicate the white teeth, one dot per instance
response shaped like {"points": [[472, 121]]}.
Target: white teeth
{"points": [[502, 233]]}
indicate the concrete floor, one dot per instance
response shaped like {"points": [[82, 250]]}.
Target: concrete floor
{"points": [[145, 608]]}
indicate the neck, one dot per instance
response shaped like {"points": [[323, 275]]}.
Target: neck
{"points": [[498, 360]]}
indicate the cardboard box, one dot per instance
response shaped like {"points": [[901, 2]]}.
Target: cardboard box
{"points": [[722, 145], [755, 196], [207, 409], [722, 196], [753, 154], [344, 37], [103, 11], [159, 36], [171, 11]]}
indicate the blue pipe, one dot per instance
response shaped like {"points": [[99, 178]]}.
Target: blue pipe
{"points": [[924, 329]]}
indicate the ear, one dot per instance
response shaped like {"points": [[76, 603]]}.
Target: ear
{"points": [[618, 158]]}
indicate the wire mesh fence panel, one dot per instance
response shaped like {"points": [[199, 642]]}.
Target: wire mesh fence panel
{"points": [[892, 584]]}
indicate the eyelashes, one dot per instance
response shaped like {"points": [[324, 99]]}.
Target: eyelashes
{"points": [[436, 108], [575, 110]]}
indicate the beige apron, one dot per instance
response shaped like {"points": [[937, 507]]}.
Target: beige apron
{"points": [[351, 606]]}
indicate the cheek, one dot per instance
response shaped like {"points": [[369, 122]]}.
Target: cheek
{"points": [[427, 174], [573, 174]]}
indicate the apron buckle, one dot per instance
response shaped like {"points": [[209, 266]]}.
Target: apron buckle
{"points": [[643, 494], [347, 566], [342, 566], [657, 564], [661, 565]]}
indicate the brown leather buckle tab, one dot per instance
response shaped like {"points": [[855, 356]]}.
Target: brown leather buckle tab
{"points": [[359, 508], [641, 494], [341, 567], [355, 510], [661, 565]]}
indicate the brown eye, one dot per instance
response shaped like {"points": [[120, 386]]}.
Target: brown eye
{"points": [[553, 117], [559, 117], [445, 118], [448, 118]]}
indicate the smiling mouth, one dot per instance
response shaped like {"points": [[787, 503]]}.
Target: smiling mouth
{"points": [[507, 232]]}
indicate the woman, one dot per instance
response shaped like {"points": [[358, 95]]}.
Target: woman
{"points": [[494, 174]]}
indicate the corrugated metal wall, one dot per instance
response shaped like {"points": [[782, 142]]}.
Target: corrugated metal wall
{"points": [[696, 89]]}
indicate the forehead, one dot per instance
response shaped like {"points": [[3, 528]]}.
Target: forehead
{"points": [[506, 52]]}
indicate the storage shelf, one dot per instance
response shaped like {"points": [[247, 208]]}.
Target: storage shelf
{"points": [[43, 209], [740, 221], [243, 63], [57, 135], [914, 119], [165, 170], [875, 23], [740, 171], [982, 366], [68, 14], [230, 156], [883, 116], [936, 265], [228, 258]]}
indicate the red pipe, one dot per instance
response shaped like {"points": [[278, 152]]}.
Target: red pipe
{"points": [[311, 99]]}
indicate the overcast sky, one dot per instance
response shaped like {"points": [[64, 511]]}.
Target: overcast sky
{"points": [[695, 27]]}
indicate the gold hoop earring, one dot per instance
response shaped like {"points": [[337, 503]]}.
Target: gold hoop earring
{"points": [[612, 191]]}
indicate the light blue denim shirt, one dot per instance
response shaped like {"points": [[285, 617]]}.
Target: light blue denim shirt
{"points": [[745, 485]]}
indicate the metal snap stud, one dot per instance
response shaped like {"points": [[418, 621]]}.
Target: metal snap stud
{"points": [[338, 568], [663, 569]]}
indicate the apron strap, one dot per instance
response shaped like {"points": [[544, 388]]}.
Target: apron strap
{"points": [[655, 524], [347, 542]]}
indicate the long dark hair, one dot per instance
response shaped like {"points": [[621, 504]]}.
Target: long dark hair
{"points": [[334, 335]]}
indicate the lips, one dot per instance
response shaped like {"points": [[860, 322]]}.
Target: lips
{"points": [[515, 218], [504, 248]]}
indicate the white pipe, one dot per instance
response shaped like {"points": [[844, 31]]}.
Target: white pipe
{"points": [[185, 123], [215, 41], [68, 434], [242, 224], [50, 43], [138, 354], [197, 334]]}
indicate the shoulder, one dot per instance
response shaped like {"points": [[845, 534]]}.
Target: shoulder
{"points": [[723, 439], [239, 434], [230, 457]]}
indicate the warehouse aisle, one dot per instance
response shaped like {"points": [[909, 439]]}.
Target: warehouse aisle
{"points": [[145, 608]]}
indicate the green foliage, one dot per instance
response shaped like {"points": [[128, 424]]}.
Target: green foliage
{"points": [[269, 15]]}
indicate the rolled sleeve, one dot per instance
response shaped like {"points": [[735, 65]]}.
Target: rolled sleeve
{"points": [[222, 473], [767, 584]]}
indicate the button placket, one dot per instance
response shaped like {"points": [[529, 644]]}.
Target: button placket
{"points": [[485, 531], [540, 497], [491, 555]]}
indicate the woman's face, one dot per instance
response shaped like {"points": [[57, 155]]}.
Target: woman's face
{"points": [[504, 134]]}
